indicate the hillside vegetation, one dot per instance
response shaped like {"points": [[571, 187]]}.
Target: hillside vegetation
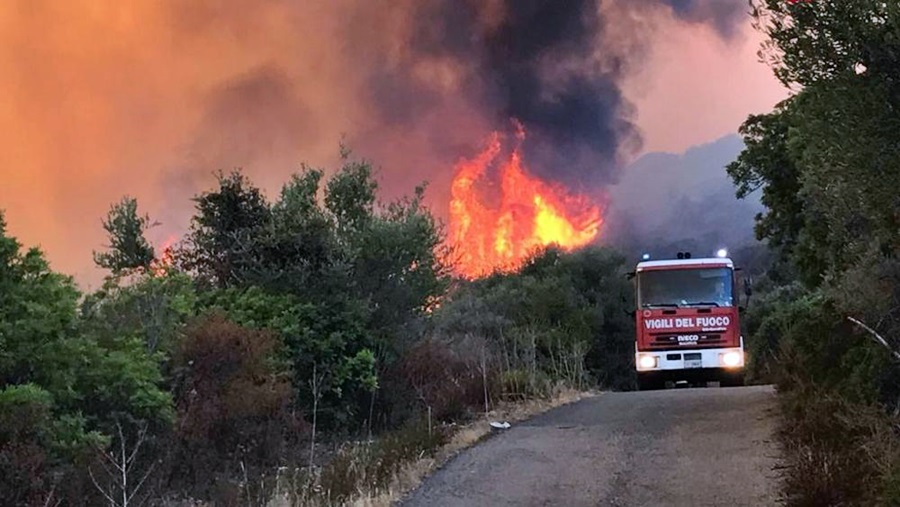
{"points": [[308, 345]]}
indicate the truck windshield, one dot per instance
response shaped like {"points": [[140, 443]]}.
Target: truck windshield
{"points": [[685, 287]]}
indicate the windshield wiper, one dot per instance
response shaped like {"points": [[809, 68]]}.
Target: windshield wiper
{"points": [[703, 303], [660, 305]]}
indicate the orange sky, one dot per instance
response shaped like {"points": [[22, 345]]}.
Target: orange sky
{"points": [[99, 99], [697, 87]]}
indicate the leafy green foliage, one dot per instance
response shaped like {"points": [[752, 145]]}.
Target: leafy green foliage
{"points": [[827, 158], [128, 249], [69, 387], [350, 197], [35, 445], [343, 279], [152, 308], [301, 249], [223, 242], [823, 40], [766, 163], [329, 339]]}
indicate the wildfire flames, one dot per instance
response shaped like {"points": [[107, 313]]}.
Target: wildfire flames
{"points": [[529, 214]]}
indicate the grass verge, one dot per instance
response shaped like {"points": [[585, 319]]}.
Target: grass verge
{"points": [[380, 473], [837, 452]]}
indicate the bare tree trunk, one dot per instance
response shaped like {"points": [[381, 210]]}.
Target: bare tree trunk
{"points": [[533, 358], [123, 463], [516, 352], [371, 412], [505, 367], [505, 349], [484, 377], [314, 384]]}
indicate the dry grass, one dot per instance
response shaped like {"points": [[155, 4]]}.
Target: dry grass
{"points": [[837, 452]]}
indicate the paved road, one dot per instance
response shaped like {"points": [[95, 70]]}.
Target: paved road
{"points": [[691, 447]]}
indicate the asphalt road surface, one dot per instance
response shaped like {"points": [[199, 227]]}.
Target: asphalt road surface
{"points": [[691, 447]]}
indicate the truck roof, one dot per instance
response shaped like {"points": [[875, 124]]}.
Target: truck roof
{"points": [[687, 263]]}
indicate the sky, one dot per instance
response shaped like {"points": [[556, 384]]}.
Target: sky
{"points": [[697, 88], [148, 98]]}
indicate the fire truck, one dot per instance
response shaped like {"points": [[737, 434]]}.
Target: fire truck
{"points": [[688, 325]]}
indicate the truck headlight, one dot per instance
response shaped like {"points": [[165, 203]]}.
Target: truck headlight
{"points": [[647, 362], [733, 358]]}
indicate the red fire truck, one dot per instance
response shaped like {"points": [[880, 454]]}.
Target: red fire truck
{"points": [[688, 326]]}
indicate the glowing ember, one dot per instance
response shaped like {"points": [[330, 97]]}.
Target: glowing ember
{"points": [[530, 213]]}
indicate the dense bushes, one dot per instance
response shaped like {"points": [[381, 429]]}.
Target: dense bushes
{"points": [[447, 383], [563, 316], [233, 399]]}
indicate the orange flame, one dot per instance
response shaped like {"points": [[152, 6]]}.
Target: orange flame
{"points": [[531, 214], [161, 265]]}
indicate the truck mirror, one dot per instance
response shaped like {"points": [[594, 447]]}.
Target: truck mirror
{"points": [[748, 287]]}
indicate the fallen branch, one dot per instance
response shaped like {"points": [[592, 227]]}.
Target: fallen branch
{"points": [[877, 337]]}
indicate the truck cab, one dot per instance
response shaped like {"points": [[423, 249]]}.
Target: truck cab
{"points": [[688, 323]]}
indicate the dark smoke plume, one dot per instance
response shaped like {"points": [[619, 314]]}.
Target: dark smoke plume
{"points": [[571, 113], [547, 64], [723, 15]]}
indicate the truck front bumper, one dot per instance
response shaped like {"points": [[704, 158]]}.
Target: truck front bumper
{"points": [[679, 360]]}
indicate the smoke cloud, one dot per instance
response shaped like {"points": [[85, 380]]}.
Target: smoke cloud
{"points": [[555, 66], [724, 15], [150, 98]]}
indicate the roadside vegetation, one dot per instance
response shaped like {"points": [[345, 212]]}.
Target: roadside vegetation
{"points": [[825, 322], [312, 349]]}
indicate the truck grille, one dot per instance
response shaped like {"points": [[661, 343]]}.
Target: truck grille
{"points": [[672, 340]]}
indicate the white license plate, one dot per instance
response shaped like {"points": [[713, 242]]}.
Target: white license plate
{"points": [[693, 363]]}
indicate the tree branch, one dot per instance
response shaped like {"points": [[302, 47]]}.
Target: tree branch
{"points": [[99, 488], [877, 337]]}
